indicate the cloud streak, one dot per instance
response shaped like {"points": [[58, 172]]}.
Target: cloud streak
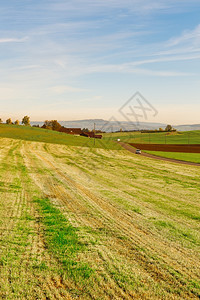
{"points": [[189, 36], [66, 89], [13, 40], [134, 6]]}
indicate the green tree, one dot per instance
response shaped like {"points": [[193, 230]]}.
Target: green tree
{"points": [[85, 130], [26, 120], [17, 122], [9, 121]]}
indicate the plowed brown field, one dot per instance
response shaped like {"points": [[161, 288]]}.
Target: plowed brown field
{"points": [[168, 148]]}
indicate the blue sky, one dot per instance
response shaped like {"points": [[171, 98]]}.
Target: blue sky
{"points": [[84, 59]]}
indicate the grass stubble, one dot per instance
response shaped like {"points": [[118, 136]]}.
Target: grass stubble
{"points": [[121, 227]]}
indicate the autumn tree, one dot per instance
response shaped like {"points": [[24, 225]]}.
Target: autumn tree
{"points": [[9, 121], [1, 121], [52, 124], [168, 128], [26, 120], [17, 122], [55, 125]]}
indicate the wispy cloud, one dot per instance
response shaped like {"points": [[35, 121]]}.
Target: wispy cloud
{"points": [[167, 59], [137, 6], [66, 89], [28, 67], [13, 40], [130, 68], [187, 37]]}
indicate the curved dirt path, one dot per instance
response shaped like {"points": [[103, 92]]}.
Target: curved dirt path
{"points": [[132, 149]]}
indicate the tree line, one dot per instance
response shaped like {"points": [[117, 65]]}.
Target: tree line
{"points": [[52, 124], [55, 125], [25, 121]]}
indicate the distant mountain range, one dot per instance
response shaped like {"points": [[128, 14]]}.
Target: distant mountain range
{"points": [[187, 127], [113, 125]]}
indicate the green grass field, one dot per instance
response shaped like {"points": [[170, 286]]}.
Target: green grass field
{"points": [[29, 133], [95, 223], [192, 137], [192, 157]]}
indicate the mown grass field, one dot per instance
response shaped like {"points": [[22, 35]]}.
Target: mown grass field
{"points": [[191, 137], [94, 223]]}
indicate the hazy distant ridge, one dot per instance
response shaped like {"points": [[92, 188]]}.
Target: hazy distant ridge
{"points": [[104, 125]]}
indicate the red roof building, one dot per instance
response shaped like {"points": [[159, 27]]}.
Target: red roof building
{"points": [[91, 135], [75, 131]]}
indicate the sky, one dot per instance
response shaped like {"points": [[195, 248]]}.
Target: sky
{"points": [[84, 59]]}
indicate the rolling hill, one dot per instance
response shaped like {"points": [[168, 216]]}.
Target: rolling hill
{"points": [[116, 126]]}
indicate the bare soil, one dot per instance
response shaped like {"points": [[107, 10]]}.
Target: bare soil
{"points": [[132, 148]]}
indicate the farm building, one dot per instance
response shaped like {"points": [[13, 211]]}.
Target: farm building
{"points": [[91, 135], [76, 131]]}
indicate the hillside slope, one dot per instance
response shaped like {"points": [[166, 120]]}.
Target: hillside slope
{"points": [[29, 133], [96, 224]]}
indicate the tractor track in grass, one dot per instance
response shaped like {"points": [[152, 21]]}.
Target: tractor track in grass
{"points": [[21, 244], [182, 162], [131, 261], [36, 250], [107, 210], [116, 213], [57, 192]]}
